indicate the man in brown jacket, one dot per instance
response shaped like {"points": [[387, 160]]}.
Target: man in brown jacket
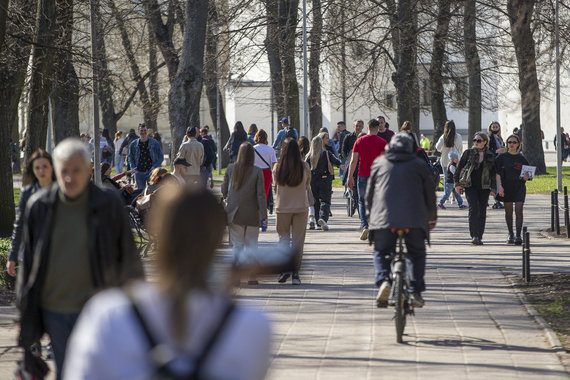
{"points": [[193, 151]]}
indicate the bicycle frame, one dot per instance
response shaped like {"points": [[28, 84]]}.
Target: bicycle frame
{"points": [[401, 283]]}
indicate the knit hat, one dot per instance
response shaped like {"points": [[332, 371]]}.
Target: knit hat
{"points": [[453, 155]]}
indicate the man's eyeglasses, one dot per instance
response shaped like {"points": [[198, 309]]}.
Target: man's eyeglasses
{"points": [[512, 142], [477, 140]]}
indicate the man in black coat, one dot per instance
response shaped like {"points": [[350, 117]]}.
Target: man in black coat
{"points": [[400, 194], [76, 240]]}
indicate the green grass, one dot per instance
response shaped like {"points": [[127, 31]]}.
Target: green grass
{"points": [[543, 184], [16, 196], [5, 279]]}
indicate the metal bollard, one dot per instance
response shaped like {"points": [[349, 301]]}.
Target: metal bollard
{"points": [[552, 211], [527, 256], [566, 212], [523, 256], [556, 212]]}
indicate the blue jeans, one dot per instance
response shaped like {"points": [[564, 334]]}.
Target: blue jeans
{"points": [[119, 163], [141, 178], [362, 181], [340, 171], [58, 327], [385, 243], [449, 188]]}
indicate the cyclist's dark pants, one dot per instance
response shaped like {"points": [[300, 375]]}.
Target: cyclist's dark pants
{"points": [[385, 243]]}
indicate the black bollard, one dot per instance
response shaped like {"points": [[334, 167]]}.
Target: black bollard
{"points": [[552, 211], [566, 212], [523, 251], [556, 213], [527, 256]]}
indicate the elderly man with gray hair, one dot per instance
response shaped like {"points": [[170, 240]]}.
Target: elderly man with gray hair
{"points": [[77, 240]]}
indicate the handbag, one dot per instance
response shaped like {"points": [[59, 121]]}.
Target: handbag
{"points": [[465, 173]]}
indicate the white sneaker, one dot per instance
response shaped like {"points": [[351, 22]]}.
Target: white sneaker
{"points": [[364, 234], [383, 294], [323, 225]]}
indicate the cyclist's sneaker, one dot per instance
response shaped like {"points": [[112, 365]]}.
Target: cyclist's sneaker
{"points": [[383, 294], [323, 225], [441, 206], [518, 240], [283, 277], [417, 300], [364, 234], [510, 239]]}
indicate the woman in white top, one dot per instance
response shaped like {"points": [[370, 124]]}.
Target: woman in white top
{"points": [[265, 158], [450, 141], [181, 312], [119, 160]]}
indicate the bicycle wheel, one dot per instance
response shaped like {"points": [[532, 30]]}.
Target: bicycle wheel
{"points": [[399, 299]]}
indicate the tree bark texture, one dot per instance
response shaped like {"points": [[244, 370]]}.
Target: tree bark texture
{"points": [[473, 68], [520, 18], [41, 82], [438, 110], [65, 98], [272, 42], [289, 19], [315, 105], [186, 88], [153, 79], [404, 25], [3, 18], [163, 34]]}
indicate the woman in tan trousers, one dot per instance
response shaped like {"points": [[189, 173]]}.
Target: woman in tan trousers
{"points": [[291, 180]]}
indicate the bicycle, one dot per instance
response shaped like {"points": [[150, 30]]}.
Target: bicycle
{"points": [[400, 295], [351, 201]]}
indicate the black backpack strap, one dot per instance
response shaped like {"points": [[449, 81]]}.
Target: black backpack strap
{"points": [[262, 159]]}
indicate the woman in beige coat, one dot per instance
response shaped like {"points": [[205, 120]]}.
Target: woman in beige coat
{"points": [[243, 189], [291, 180]]}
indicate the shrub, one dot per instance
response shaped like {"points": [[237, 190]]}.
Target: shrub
{"points": [[5, 279]]}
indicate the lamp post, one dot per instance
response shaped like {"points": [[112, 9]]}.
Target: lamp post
{"points": [[94, 55], [216, 32], [305, 100], [559, 143]]}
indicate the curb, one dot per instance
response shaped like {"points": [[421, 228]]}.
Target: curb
{"points": [[549, 333]]}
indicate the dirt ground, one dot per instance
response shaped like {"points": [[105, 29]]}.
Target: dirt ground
{"points": [[550, 296]]}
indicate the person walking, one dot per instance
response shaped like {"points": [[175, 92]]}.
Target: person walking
{"points": [[479, 180], [512, 186], [124, 149], [206, 335], [383, 130], [119, 158], [236, 139], [251, 131], [364, 152], [291, 182], [265, 158], [321, 162], [38, 174], [287, 131], [193, 151], [449, 188], [62, 270], [450, 141], [243, 189], [496, 146], [145, 154], [338, 139], [400, 194]]}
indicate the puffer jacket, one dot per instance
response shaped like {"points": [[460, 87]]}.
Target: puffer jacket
{"points": [[113, 254], [400, 193], [488, 178]]}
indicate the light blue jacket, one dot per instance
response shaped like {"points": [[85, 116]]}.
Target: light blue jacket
{"points": [[156, 154], [281, 136]]}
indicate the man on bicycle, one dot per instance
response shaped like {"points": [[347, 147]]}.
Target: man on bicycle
{"points": [[400, 194]]}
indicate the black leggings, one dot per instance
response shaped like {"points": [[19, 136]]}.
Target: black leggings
{"points": [[478, 200], [518, 216]]}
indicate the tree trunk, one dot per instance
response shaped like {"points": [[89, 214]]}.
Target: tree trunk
{"points": [[65, 98], [404, 23], [315, 105], [473, 68], [134, 67], [163, 37], [153, 79], [186, 88], [273, 55], [520, 18], [288, 16], [3, 18], [211, 78], [438, 110], [42, 76]]}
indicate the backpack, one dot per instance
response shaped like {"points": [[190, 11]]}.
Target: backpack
{"points": [[290, 132], [209, 154]]}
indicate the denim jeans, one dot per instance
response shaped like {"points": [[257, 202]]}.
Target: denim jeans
{"points": [[141, 178], [362, 182], [385, 243], [449, 188], [119, 163], [58, 327]]}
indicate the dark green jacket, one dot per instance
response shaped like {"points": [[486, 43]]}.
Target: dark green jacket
{"points": [[488, 179]]}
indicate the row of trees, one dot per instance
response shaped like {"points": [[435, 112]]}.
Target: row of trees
{"points": [[162, 55]]}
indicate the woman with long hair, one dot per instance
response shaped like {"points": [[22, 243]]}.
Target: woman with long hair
{"points": [[237, 137], [251, 131], [450, 141], [409, 129], [203, 332], [479, 180], [291, 180], [304, 146], [265, 158], [243, 189], [38, 174], [496, 146], [321, 162], [511, 186]]}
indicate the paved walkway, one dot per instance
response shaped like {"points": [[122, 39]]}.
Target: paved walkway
{"points": [[472, 327]]}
